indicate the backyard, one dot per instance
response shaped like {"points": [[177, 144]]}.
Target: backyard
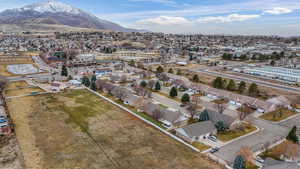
{"points": [[77, 129]]}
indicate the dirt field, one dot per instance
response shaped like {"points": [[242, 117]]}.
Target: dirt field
{"points": [[20, 88], [79, 130]]}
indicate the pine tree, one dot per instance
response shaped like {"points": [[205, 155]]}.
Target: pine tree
{"points": [[253, 90], [231, 85], [239, 163], [64, 71], [195, 78], [204, 116], [94, 78], [157, 86], [85, 81], [221, 126], [159, 69], [185, 98], [171, 71], [292, 136], [218, 83], [242, 87], [173, 92], [143, 84], [93, 85]]}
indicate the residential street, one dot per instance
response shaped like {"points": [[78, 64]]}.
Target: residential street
{"points": [[268, 133]]}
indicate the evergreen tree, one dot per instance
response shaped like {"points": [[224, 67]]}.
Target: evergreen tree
{"points": [[159, 69], [185, 98], [143, 84], [93, 85], [179, 72], [221, 126], [204, 116], [239, 162], [292, 136], [218, 83], [253, 90], [85, 81], [195, 78], [231, 85], [173, 92], [171, 71], [242, 87], [157, 86], [94, 78], [131, 63], [64, 71]]}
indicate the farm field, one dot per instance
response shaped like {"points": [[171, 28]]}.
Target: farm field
{"points": [[77, 129]]}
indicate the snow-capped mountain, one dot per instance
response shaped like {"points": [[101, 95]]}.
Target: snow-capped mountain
{"points": [[54, 12], [51, 6]]}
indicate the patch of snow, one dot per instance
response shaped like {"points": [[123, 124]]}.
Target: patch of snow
{"points": [[52, 7]]}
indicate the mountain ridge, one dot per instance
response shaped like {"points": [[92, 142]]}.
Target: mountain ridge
{"points": [[58, 13]]}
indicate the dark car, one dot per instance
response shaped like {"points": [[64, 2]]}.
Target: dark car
{"points": [[215, 149]]}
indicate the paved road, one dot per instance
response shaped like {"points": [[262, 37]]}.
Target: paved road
{"points": [[260, 82], [269, 133], [291, 123]]}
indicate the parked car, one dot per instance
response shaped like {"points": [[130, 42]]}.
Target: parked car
{"points": [[3, 120], [259, 159], [215, 149], [212, 138]]}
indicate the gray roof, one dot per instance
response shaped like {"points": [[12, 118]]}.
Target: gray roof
{"points": [[275, 164], [170, 116], [215, 117], [199, 128]]}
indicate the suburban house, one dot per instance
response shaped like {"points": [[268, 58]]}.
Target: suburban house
{"points": [[196, 131], [103, 71], [172, 118], [215, 117]]}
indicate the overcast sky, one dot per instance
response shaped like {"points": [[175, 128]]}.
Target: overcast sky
{"points": [[267, 17]]}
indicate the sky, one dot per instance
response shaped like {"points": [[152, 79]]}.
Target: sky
{"points": [[246, 17]]}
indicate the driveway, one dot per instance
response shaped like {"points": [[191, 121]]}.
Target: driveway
{"points": [[268, 133]]}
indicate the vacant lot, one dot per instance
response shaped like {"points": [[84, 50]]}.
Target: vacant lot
{"points": [[77, 129], [20, 88]]}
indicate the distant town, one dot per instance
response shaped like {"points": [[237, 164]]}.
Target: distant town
{"points": [[126, 97]]}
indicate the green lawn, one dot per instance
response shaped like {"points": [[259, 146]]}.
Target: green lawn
{"points": [[232, 134], [277, 116]]}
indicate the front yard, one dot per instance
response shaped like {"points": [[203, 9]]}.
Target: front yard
{"points": [[200, 146], [278, 115], [232, 134]]}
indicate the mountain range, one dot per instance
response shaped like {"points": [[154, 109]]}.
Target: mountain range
{"points": [[57, 13]]}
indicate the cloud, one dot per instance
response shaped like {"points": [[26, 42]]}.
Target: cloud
{"points": [[164, 20], [278, 11], [228, 18]]}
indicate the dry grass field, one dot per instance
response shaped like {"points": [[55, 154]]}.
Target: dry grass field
{"points": [[20, 88], [77, 129]]}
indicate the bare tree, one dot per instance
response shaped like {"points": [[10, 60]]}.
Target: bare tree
{"points": [[151, 84], [247, 153], [3, 83], [192, 110], [220, 108], [157, 114]]}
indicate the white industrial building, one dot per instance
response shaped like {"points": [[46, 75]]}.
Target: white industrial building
{"points": [[291, 75]]}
